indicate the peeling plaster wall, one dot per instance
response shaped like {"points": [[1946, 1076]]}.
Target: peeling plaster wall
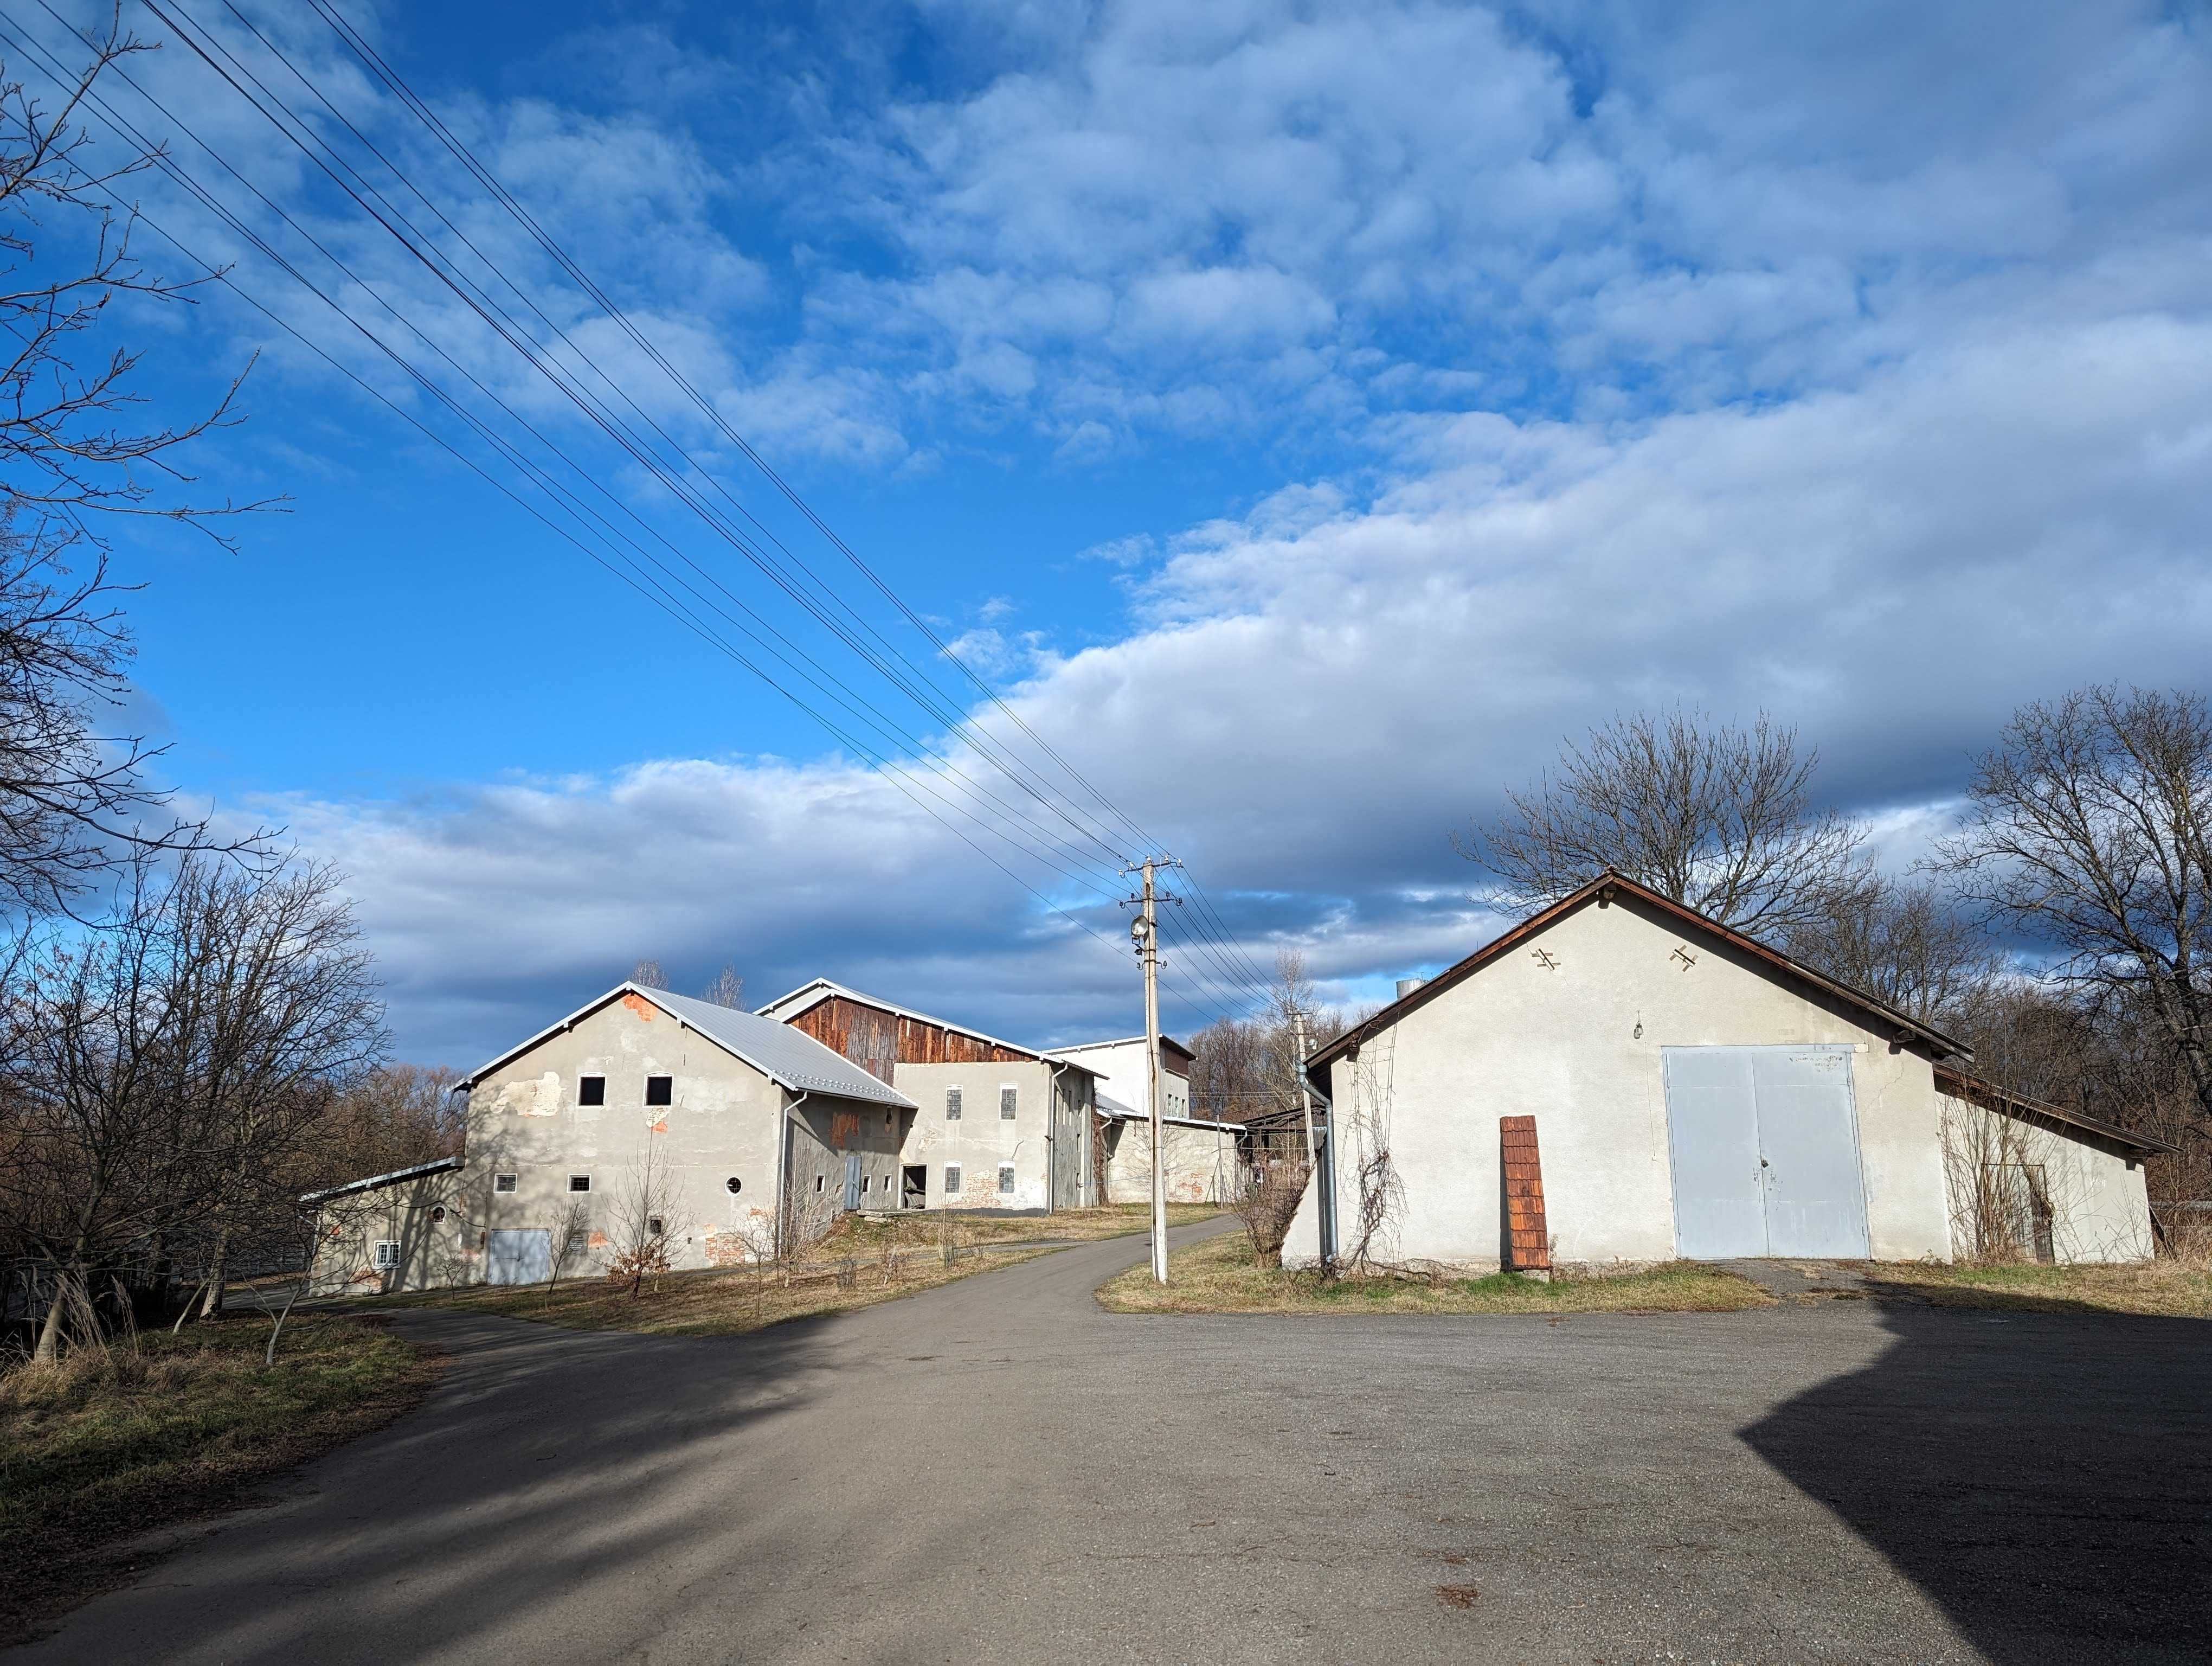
{"points": [[1200, 1164], [1555, 1035], [981, 1139]]}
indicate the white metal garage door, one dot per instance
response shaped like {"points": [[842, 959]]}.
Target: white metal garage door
{"points": [[1765, 1150], [518, 1255]]}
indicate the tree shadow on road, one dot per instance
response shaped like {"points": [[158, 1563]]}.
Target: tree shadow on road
{"points": [[544, 1462], [2044, 1479]]}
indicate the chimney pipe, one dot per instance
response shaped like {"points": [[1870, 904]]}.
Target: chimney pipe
{"points": [[1407, 985]]}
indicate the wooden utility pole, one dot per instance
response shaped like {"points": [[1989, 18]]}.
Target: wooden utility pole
{"points": [[1145, 930]]}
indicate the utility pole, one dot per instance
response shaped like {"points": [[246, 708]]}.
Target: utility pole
{"points": [[1144, 929], [1324, 1205]]}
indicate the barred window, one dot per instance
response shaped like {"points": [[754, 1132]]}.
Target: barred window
{"points": [[952, 1180], [504, 1183], [951, 1104], [1005, 1179], [1007, 1097]]}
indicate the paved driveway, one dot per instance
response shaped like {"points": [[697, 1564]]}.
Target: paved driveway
{"points": [[999, 1471]]}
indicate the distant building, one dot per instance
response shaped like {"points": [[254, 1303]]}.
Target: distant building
{"points": [[998, 1125], [1121, 1072], [717, 1118], [1200, 1158]]}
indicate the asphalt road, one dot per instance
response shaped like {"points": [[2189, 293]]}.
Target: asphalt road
{"points": [[999, 1471]]}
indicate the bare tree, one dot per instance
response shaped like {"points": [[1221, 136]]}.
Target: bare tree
{"points": [[75, 798], [163, 1072], [1718, 818], [2089, 825], [391, 1117], [571, 1236], [1903, 942], [727, 990], [638, 1227], [647, 974]]}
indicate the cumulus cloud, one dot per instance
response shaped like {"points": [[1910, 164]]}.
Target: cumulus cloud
{"points": [[1856, 367]]}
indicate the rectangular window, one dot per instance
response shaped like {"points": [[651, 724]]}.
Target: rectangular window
{"points": [[864, 1183], [504, 1183], [660, 1090], [387, 1254], [1007, 1096], [951, 1104], [590, 1090], [579, 1182], [653, 1226], [951, 1180], [1005, 1179]]}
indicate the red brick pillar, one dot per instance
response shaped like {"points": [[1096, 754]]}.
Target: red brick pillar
{"points": [[1529, 1243]]}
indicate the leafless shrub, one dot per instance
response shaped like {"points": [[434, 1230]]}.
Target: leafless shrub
{"points": [[1266, 1201], [571, 1236], [638, 1226]]}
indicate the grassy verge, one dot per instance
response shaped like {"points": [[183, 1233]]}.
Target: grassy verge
{"points": [[1218, 1276], [861, 1263], [101, 1449], [2172, 1289]]}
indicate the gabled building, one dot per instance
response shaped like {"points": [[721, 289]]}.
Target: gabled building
{"points": [[1620, 1079], [997, 1125], [1123, 1073], [711, 1120]]}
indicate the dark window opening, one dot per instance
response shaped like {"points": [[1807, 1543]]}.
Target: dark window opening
{"points": [[503, 1182], [818, 1182], [590, 1090], [579, 1182], [653, 1227], [660, 1090], [439, 1213], [733, 1185]]}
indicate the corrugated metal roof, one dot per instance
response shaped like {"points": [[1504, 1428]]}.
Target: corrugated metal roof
{"points": [[439, 1166], [786, 1055], [1111, 1107], [791, 1056]]}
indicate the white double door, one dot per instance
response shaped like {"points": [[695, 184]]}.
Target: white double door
{"points": [[1765, 1151]]}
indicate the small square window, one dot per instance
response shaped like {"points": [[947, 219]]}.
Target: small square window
{"points": [[864, 1183], [579, 1182], [1005, 1179], [952, 1180], [504, 1183], [660, 1090], [653, 1226], [951, 1104], [387, 1254], [590, 1090], [1007, 1097]]}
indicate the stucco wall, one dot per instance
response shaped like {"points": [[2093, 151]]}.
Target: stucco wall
{"points": [[1121, 1068], [1569, 1027], [1200, 1164], [981, 1139], [428, 1219], [2099, 1201], [525, 1119]]}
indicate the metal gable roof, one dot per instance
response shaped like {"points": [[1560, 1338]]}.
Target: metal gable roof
{"points": [[788, 1057]]}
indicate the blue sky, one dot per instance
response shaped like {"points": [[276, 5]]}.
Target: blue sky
{"points": [[1304, 416]]}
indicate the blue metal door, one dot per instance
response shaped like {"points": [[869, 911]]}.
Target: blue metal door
{"points": [[1713, 1137], [852, 1180], [1763, 1142], [518, 1255], [1808, 1142]]}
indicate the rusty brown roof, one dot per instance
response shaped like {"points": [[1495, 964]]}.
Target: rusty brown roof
{"points": [[1960, 1085]]}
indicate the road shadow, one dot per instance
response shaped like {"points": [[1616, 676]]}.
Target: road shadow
{"points": [[2045, 1478], [541, 1462]]}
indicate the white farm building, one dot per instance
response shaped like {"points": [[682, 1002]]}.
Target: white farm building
{"points": [[1619, 1079]]}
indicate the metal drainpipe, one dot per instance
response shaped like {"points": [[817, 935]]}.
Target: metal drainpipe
{"points": [[1052, 1144], [783, 1158]]}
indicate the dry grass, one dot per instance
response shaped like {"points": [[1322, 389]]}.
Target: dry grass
{"points": [[102, 1448], [1219, 1276], [861, 1263], [2168, 1288]]}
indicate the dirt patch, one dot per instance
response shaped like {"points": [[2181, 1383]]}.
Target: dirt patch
{"points": [[1458, 1597]]}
